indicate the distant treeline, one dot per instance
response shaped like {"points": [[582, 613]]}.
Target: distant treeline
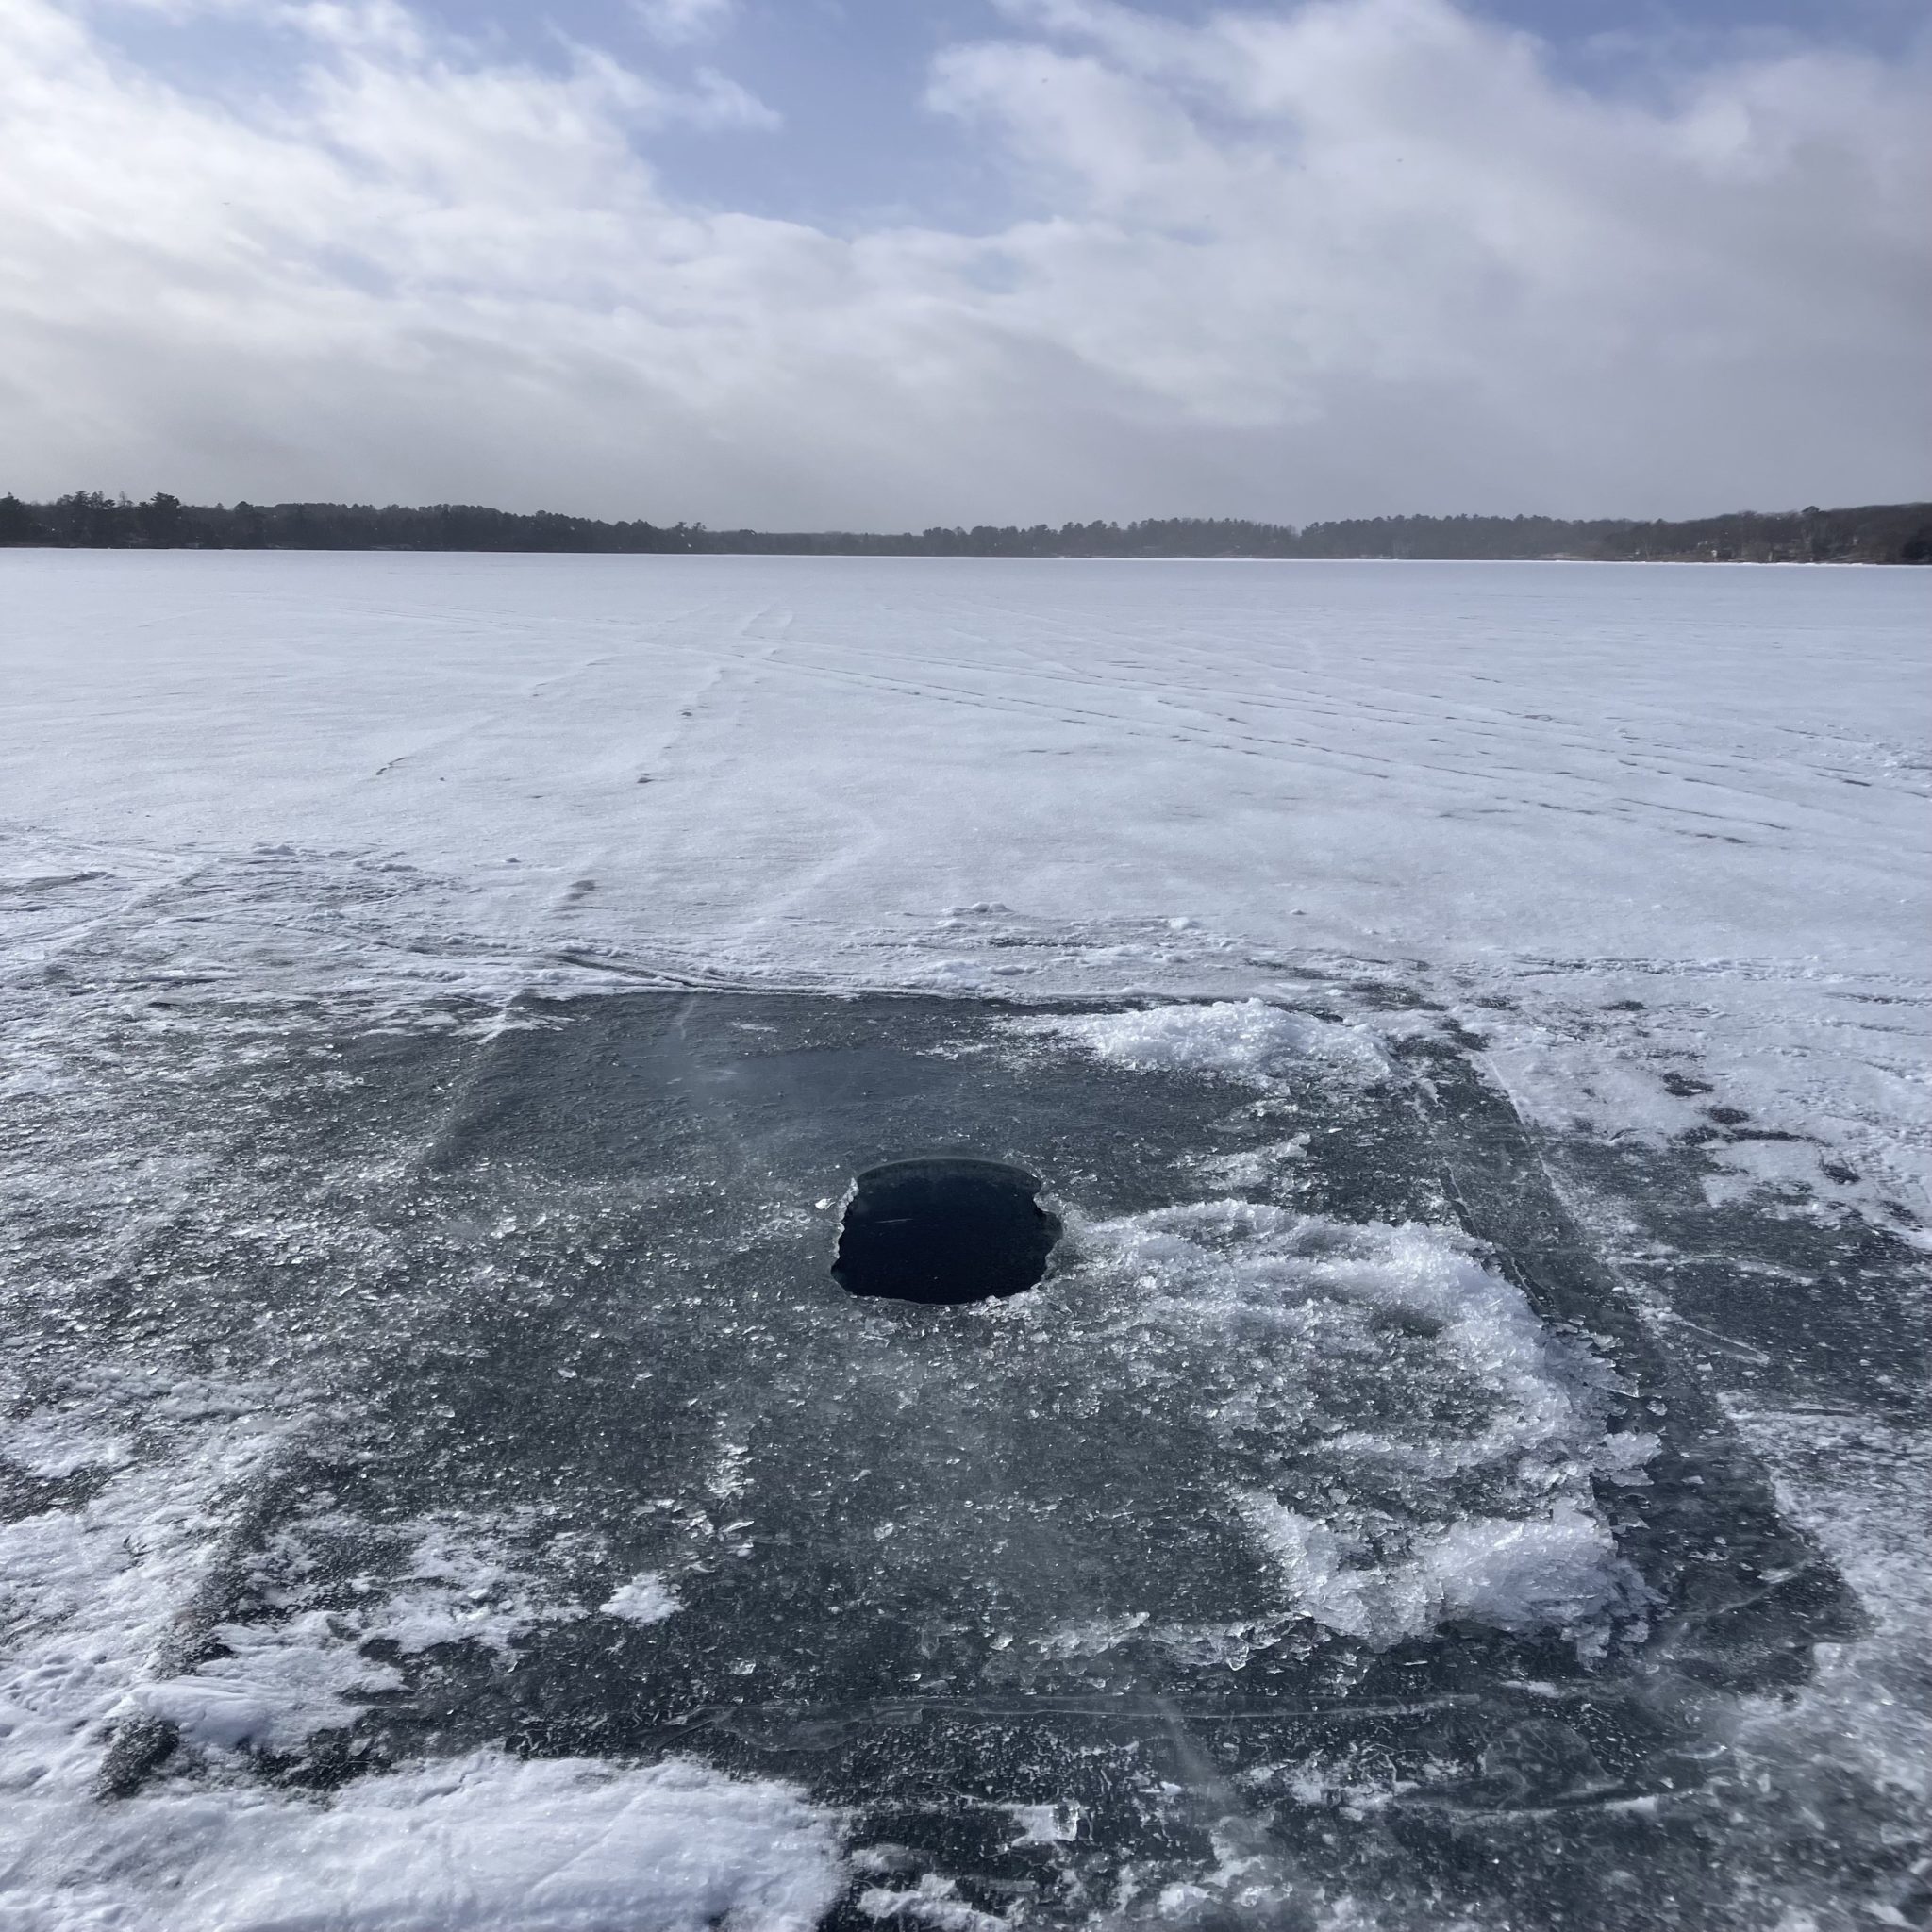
{"points": [[1884, 533]]}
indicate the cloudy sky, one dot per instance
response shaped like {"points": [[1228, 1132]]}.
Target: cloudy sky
{"points": [[803, 263]]}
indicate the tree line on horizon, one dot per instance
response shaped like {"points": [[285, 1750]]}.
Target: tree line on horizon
{"points": [[1882, 533]]}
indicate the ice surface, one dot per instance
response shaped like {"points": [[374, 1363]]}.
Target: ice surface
{"points": [[438, 1471], [1561, 789]]}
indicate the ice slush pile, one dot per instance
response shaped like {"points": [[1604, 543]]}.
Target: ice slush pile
{"points": [[1408, 1445]]}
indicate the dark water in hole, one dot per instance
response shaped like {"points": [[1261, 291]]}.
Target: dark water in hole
{"points": [[944, 1230]]}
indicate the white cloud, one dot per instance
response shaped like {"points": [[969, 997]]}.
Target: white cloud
{"points": [[1356, 255]]}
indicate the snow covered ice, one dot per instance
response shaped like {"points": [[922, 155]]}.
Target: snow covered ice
{"points": [[1466, 1463]]}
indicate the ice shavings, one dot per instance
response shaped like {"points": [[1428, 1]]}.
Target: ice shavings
{"points": [[931, 1905], [1090, 1638], [1046, 1825], [1558, 1571], [1354, 1781], [1406, 1443], [645, 1599], [1238, 1039], [1253, 1167], [463, 1846]]}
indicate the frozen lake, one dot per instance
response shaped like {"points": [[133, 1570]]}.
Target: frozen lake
{"points": [[1466, 1463], [774, 761]]}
